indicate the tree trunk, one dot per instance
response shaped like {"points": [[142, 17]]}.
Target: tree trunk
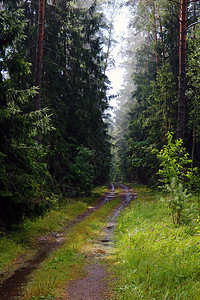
{"points": [[156, 37], [194, 15], [182, 70], [194, 125], [32, 24], [178, 217], [161, 35], [39, 50]]}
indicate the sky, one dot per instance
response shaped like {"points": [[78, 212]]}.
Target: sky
{"points": [[115, 74]]}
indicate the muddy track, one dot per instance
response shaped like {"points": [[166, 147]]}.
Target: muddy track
{"points": [[94, 285], [13, 286]]}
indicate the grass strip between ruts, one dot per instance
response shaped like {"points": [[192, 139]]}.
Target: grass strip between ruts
{"points": [[51, 279]]}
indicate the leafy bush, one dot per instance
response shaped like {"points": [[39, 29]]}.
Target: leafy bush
{"points": [[175, 162], [175, 175]]}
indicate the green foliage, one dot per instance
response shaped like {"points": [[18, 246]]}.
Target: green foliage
{"points": [[193, 95], [82, 170], [23, 172], [175, 175], [34, 164], [75, 90], [177, 200], [162, 104], [174, 162], [195, 181]]}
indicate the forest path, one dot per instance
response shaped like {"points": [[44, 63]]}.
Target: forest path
{"points": [[90, 287], [93, 286]]}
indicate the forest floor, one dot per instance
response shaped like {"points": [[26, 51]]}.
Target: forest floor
{"points": [[92, 280]]}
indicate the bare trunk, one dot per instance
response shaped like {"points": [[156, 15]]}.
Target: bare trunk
{"points": [[32, 47], [161, 35], [110, 34], [182, 69], [193, 146], [194, 125], [156, 37], [39, 50], [194, 15], [178, 217], [174, 222]]}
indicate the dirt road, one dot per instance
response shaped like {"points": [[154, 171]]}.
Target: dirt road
{"points": [[92, 286]]}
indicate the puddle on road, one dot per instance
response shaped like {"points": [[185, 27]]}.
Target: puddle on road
{"points": [[105, 243], [110, 196]]}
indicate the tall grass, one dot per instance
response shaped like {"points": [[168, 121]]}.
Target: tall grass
{"points": [[154, 259], [9, 251]]}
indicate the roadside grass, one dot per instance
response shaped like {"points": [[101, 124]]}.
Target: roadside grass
{"points": [[51, 279], [153, 258], [9, 251], [52, 221], [19, 242]]}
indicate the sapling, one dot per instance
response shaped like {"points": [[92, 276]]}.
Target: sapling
{"points": [[177, 200], [175, 175]]}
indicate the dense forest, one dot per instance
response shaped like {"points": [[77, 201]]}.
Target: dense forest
{"points": [[54, 138], [98, 203], [160, 96]]}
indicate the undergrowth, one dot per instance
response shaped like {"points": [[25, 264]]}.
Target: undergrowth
{"points": [[155, 259]]}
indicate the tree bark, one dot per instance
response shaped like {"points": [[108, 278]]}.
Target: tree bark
{"points": [[39, 51], [194, 125], [182, 69], [161, 35], [194, 15], [156, 37]]}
